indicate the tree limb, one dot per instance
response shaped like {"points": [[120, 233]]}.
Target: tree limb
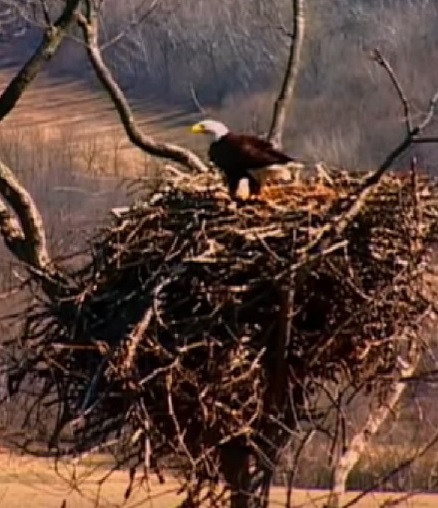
{"points": [[23, 230], [331, 231], [52, 39], [24, 237], [89, 26], [285, 96]]}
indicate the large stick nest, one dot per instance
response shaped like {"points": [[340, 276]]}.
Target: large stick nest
{"points": [[196, 319]]}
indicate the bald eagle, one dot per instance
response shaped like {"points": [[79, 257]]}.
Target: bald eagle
{"points": [[241, 156]]}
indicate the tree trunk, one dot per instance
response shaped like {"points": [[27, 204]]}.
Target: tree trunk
{"points": [[235, 464], [361, 439]]}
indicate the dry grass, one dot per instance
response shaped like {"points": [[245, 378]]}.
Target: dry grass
{"points": [[82, 118], [24, 481]]}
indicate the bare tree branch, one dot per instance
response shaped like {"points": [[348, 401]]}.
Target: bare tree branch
{"points": [[425, 140], [285, 96], [200, 108], [169, 151], [47, 48], [381, 60], [334, 230], [25, 238], [137, 19], [46, 13]]}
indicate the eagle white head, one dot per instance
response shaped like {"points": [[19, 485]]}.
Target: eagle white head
{"points": [[212, 127]]}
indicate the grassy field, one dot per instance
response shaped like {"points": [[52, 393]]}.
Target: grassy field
{"points": [[64, 112], [34, 482]]}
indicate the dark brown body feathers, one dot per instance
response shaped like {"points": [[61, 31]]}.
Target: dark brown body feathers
{"points": [[235, 154]]}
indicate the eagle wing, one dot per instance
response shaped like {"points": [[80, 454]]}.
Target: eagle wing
{"points": [[242, 156], [240, 152], [259, 153]]}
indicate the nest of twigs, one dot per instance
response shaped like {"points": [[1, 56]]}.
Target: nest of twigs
{"points": [[197, 319]]}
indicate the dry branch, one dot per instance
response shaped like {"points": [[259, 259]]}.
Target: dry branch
{"points": [[285, 96], [53, 37], [90, 29], [26, 240], [381, 60]]}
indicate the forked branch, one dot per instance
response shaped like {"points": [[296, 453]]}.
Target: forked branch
{"points": [[413, 135], [53, 37], [21, 225], [382, 61]]}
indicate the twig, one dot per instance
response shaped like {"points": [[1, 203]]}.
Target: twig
{"points": [[179, 434], [196, 102], [135, 337], [46, 14], [381, 60], [137, 19], [92, 388]]}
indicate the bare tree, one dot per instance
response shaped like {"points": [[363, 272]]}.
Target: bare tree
{"points": [[23, 231]]}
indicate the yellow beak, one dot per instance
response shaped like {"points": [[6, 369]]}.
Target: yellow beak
{"points": [[197, 129]]}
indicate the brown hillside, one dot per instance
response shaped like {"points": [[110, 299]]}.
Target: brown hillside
{"points": [[75, 113]]}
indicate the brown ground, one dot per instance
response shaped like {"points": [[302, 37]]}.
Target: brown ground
{"points": [[34, 482]]}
